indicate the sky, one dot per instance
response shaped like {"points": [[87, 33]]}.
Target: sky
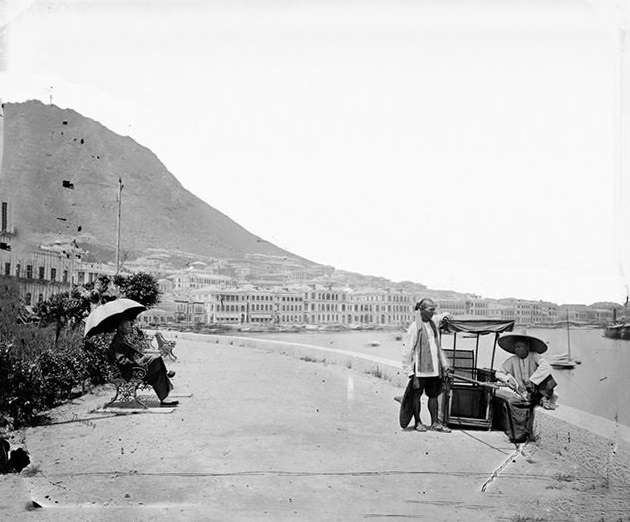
{"points": [[475, 146]]}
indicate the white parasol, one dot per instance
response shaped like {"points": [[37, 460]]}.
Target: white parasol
{"points": [[106, 317]]}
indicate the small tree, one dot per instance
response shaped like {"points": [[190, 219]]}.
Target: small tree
{"points": [[141, 287], [64, 309]]}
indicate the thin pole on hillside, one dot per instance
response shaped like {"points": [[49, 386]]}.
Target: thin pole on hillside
{"points": [[120, 188]]}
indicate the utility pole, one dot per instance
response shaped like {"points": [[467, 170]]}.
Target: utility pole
{"points": [[120, 188]]}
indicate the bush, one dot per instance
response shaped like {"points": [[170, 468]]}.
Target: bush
{"points": [[41, 365], [97, 358], [62, 369], [141, 287], [20, 386], [37, 371]]}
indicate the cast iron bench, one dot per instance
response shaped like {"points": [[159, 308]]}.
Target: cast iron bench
{"points": [[165, 347], [127, 389]]}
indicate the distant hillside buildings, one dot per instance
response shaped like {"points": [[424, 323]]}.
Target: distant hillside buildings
{"points": [[269, 290], [195, 296]]}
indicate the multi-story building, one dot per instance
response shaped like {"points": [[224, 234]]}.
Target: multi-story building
{"points": [[290, 307], [452, 306], [326, 305], [195, 278]]}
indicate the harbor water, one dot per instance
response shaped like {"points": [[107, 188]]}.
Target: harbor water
{"points": [[599, 385]]}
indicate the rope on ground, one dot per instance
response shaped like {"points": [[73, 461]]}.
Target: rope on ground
{"points": [[484, 442]]}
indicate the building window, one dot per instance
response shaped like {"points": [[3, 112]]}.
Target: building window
{"points": [[81, 277], [7, 269], [41, 272], [41, 298], [64, 276], [53, 274], [29, 271], [27, 298], [17, 270]]}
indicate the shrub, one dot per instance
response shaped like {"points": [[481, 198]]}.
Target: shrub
{"points": [[62, 369], [97, 358], [141, 287], [20, 386], [41, 365]]}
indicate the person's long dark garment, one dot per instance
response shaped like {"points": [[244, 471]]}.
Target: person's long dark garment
{"points": [[516, 416], [156, 377], [126, 357]]}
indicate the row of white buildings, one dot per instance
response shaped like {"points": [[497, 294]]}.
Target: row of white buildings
{"points": [[192, 298]]}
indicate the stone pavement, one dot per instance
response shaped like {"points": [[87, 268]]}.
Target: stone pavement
{"points": [[266, 436]]}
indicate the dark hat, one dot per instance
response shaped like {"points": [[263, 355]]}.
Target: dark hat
{"points": [[508, 341], [406, 406]]}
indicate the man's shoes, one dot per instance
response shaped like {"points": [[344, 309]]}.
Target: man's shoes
{"points": [[420, 427], [170, 374], [547, 404], [439, 427], [169, 403]]}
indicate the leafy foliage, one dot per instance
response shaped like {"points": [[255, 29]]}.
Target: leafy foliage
{"points": [[141, 287], [42, 365], [64, 309]]}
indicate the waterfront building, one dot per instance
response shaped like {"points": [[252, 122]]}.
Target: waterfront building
{"points": [[397, 307], [190, 311], [500, 311], [290, 307], [326, 305], [452, 306]]}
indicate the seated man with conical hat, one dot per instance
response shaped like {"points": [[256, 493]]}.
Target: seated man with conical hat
{"points": [[527, 371], [529, 377]]}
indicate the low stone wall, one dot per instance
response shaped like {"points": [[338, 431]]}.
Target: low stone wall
{"points": [[600, 445]]}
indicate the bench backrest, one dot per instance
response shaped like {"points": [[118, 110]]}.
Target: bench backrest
{"points": [[462, 361]]}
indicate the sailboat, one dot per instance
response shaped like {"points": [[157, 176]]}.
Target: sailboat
{"points": [[564, 361]]}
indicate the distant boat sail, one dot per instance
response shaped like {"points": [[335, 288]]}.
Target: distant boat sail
{"points": [[565, 361]]}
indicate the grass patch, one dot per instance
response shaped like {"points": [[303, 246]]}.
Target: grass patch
{"points": [[308, 358], [377, 372], [563, 477]]}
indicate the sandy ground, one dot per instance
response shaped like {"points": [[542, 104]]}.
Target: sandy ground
{"points": [[266, 436]]}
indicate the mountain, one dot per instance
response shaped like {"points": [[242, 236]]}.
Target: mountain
{"points": [[60, 176]]}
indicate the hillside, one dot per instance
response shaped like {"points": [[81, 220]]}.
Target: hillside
{"points": [[45, 145]]}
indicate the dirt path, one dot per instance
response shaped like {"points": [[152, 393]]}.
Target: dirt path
{"points": [[271, 437]]}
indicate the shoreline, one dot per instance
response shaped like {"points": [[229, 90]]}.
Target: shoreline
{"points": [[601, 445]]}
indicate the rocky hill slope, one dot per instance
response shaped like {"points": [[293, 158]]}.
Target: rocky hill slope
{"points": [[60, 174]]}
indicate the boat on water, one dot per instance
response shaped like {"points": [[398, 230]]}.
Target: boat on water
{"points": [[619, 328], [618, 331], [563, 361]]}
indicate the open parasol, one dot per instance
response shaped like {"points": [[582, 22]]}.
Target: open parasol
{"points": [[106, 317]]}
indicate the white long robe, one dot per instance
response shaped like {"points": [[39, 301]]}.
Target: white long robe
{"points": [[533, 368]]}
